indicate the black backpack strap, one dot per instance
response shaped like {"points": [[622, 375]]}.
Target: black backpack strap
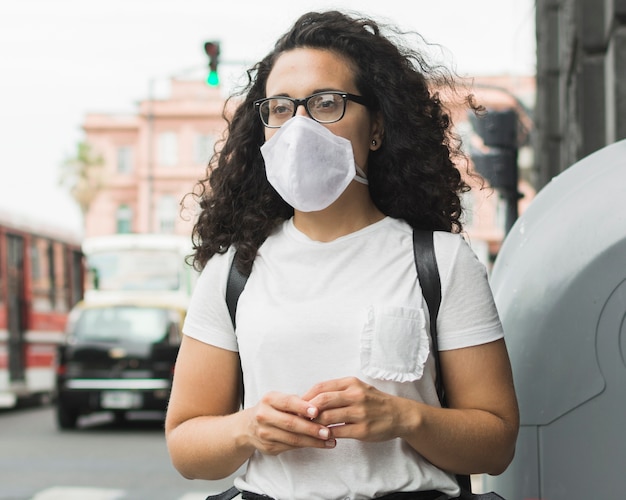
{"points": [[234, 286], [430, 281], [428, 276]]}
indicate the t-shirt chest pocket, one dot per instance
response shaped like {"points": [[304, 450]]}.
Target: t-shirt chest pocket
{"points": [[394, 343]]}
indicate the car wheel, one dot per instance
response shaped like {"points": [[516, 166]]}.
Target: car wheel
{"points": [[66, 417]]}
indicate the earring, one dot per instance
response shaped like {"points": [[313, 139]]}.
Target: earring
{"points": [[374, 142]]}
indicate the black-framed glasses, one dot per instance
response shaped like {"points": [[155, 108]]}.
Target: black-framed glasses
{"points": [[323, 107]]}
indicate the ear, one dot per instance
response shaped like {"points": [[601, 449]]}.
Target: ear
{"points": [[376, 132]]}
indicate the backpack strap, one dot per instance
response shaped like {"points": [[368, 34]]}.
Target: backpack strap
{"points": [[428, 277], [430, 281], [234, 286]]}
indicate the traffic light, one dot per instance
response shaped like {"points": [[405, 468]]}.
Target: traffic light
{"points": [[497, 128], [498, 131], [498, 166], [212, 50], [498, 162]]}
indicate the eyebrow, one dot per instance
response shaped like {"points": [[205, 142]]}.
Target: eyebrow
{"points": [[317, 91]]}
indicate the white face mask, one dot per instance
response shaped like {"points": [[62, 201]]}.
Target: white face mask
{"points": [[308, 165]]}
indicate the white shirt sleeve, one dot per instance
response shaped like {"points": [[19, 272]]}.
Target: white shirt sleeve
{"points": [[467, 315], [207, 318]]}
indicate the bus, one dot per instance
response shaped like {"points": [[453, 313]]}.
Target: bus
{"points": [[120, 266], [41, 279], [122, 339]]}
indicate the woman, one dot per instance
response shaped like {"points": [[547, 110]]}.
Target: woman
{"points": [[338, 149]]}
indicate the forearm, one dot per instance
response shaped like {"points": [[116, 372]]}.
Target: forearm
{"points": [[464, 441], [209, 447]]}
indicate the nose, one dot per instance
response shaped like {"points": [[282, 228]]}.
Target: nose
{"points": [[301, 110]]}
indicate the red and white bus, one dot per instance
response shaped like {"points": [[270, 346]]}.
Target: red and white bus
{"points": [[41, 279]]}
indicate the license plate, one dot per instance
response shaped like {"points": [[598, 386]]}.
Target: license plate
{"points": [[120, 400]]}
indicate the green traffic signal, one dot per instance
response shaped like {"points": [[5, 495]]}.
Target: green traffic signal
{"points": [[212, 50], [213, 79]]}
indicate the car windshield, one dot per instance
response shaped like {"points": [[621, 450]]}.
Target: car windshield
{"points": [[128, 323]]}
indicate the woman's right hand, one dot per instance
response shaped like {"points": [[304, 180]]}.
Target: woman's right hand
{"points": [[282, 422]]}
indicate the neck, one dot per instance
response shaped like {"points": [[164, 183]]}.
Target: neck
{"points": [[353, 211]]}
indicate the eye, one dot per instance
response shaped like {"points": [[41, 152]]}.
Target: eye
{"points": [[280, 107], [325, 103]]}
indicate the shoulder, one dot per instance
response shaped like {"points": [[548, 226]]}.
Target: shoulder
{"points": [[445, 241], [216, 269], [468, 315], [211, 285], [208, 319], [452, 246], [455, 254]]}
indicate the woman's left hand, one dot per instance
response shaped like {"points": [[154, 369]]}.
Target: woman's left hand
{"points": [[354, 409]]}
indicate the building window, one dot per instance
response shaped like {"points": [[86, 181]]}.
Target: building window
{"points": [[124, 219], [168, 149], [125, 159], [203, 148], [167, 211]]}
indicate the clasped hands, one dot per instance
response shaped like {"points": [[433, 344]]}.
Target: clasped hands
{"points": [[330, 410]]}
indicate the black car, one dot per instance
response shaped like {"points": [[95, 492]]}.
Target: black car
{"points": [[117, 358]]}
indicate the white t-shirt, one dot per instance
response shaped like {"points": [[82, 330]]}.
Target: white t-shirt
{"points": [[314, 311]]}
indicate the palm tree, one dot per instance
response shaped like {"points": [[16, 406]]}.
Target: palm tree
{"points": [[82, 175]]}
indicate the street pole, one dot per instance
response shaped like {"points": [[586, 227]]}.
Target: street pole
{"points": [[150, 156]]}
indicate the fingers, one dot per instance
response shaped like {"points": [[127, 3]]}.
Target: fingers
{"points": [[337, 393], [340, 408], [290, 403], [353, 409], [282, 422], [339, 402], [335, 385], [272, 441]]}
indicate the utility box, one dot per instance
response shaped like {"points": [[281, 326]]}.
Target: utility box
{"points": [[559, 282]]}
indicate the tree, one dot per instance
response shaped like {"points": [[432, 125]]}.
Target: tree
{"points": [[82, 175]]}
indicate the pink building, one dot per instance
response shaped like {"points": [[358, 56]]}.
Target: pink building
{"points": [[152, 160]]}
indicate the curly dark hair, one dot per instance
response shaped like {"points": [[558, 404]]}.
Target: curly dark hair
{"points": [[412, 176]]}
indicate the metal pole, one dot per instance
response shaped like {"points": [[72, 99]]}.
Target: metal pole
{"points": [[150, 156]]}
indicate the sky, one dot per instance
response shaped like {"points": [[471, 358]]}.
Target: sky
{"points": [[61, 59]]}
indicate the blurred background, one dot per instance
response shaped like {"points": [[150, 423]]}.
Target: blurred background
{"points": [[109, 113], [65, 61]]}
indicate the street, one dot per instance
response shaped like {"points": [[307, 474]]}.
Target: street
{"points": [[99, 461]]}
